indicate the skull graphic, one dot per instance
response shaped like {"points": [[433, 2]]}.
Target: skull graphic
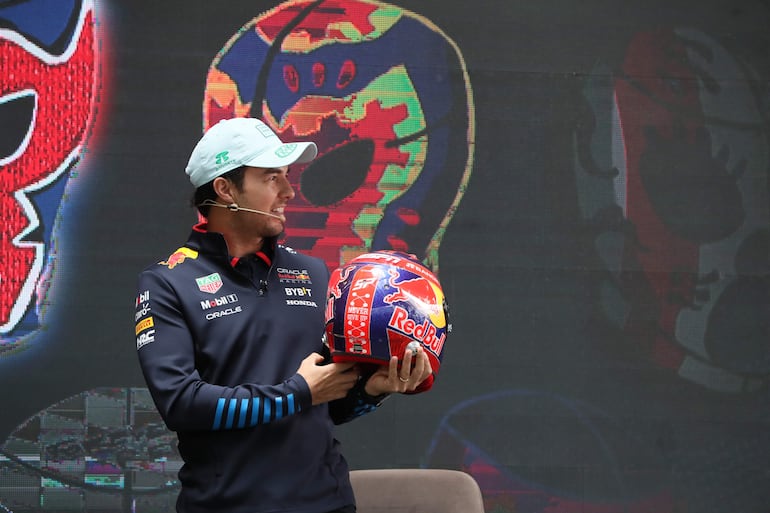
{"points": [[394, 127], [47, 54], [674, 179]]}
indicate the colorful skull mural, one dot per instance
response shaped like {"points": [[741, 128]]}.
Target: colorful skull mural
{"points": [[673, 177], [48, 58], [394, 126]]}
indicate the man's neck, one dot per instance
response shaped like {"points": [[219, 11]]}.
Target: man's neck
{"points": [[240, 248], [238, 245]]}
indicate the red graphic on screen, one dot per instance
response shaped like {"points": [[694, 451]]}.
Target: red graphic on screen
{"points": [[684, 216], [665, 249], [52, 93]]}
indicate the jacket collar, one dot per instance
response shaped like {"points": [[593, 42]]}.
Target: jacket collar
{"points": [[213, 244]]}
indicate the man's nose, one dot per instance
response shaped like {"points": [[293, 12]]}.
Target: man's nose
{"points": [[287, 190]]}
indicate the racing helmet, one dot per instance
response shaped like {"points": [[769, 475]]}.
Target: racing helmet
{"points": [[381, 301]]}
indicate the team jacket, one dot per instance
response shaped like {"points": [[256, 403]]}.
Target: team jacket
{"points": [[219, 341]]}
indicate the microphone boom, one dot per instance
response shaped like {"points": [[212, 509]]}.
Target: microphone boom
{"points": [[234, 207]]}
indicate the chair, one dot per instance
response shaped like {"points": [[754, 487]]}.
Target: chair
{"points": [[416, 491]]}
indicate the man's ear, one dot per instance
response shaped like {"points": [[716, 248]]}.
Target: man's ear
{"points": [[223, 187]]}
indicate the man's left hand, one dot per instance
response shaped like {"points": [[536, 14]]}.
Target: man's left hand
{"points": [[390, 378]]}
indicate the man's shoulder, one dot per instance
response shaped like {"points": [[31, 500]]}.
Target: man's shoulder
{"points": [[175, 260], [299, 258], [292, 253]]}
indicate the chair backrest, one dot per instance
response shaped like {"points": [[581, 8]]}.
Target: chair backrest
{"points": [[416, 491]]}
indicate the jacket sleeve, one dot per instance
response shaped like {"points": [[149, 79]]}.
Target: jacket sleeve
{"points": [[357, 402], [167, 358]]}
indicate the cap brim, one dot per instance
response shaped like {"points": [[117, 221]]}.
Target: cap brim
{"points": [[303, 153]]}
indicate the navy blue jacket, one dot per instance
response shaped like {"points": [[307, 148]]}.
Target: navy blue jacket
{"points": [[219, 341]]}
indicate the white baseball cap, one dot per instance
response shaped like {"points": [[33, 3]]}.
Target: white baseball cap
{"points": [[233, 143]]}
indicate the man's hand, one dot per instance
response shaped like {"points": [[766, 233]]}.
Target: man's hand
{"points": [[389, 378], [327, 382]]}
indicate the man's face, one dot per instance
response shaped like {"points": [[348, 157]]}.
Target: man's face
{"points": [[266, 190]]}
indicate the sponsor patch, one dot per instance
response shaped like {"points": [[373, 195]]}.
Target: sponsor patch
{"points": [[143, 297], [211, 283], [223, 313], [301, 302], [144, 324], [286, 149], [142, 312], [142, 305], [293, 275], [145, 338], [179, 256], [219, 301], [298, 291]]}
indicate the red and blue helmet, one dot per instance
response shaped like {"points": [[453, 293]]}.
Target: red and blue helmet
{"points": [[380, 302]]}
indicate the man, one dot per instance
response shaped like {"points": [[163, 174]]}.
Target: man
{"points": [[229, 337]]}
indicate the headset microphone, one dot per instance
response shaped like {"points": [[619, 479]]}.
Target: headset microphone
{"points": [[234, 207]]}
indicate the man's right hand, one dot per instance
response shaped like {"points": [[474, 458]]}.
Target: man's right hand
{"points": [[329, 381]]}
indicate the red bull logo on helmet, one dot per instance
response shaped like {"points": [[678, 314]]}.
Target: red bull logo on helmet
{"points": [[418, 290], [427, 332]]}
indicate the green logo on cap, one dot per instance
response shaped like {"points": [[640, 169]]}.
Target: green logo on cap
{"points": [[222, 157], [286, 149]]}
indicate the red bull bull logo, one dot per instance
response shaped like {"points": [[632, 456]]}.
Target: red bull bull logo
{"points": [[179, 256], [418, 290]]}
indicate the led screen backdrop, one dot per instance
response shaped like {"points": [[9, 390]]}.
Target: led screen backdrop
{"points": [[589, 180]]}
